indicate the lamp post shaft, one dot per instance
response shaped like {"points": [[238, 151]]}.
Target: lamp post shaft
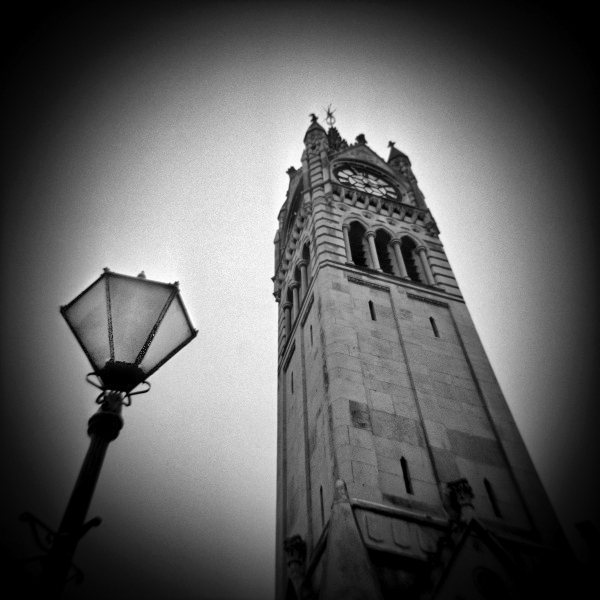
{"points": [[103, 428]]}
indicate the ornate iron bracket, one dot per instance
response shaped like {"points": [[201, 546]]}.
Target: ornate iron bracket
{"points": [[44, 538]]}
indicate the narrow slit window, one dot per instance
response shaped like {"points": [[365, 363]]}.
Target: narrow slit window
{"points": [[492, 496], [311, 336], [434, 327], [322, 507], [372, 310], [292, 382], [405, 473]]}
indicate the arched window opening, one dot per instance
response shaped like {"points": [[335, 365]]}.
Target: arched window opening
{"points": [[385, 252], [300, 289], [405, 473], [322, 507], [306, 257], [372, 310], [434, 327], [358, 244], [411, 260], [287, 313], [492, 497]]}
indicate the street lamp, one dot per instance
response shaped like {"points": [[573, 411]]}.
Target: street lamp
{"points": [[128, 328]]}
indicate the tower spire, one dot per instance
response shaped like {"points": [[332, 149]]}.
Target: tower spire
{"points": [[314, 126]]}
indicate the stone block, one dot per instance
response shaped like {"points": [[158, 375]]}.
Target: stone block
{"points": [[340, 287], [404, 314], [392, 484], [359, 415], [405, 406], [385, 332], [381, 401], [364, 492], [361, 437], [462, 395], [341, 437], [339, 412], [344, 361], [387, 448], [334, 332], [345, 471], [340, 388], [358, 453], [365, 473], [445, 464], [389, 465], [416, 455], [370, 345], [345, 374], [421, 471], [396, 427], [436, 434], [427, 492], [479, 426], [385, 425], [476, 448]]}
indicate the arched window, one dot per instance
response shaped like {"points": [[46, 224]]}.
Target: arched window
{"points": [[405, 473], [385, 252], [306, 257], [287, 312], [372, 310], [411, 260], [492, 498], [322, 506], [297, 275], [358, 244], [434, 327]]}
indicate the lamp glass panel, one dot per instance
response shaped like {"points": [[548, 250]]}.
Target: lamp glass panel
{"points": [[135, 306], [173, 331], [88, 317]]}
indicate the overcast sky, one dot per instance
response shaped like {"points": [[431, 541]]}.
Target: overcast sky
{"points": [[159, 139]]}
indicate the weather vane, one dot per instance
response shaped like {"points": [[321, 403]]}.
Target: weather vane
{"points": [[330, 119]]}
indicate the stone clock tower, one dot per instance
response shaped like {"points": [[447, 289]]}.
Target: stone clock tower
{"points": [[401, 473]]}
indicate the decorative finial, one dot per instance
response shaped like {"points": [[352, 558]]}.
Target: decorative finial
{"points": [[106, 270], [391, 144], [330, 119], [142, 275], [360, 138], [313, 118], [461, 497]]}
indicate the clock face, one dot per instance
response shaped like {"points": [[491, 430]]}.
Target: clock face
{"points": [[365, 181]]}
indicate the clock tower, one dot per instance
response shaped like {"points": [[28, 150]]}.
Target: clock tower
{"points": [[401, 473]]}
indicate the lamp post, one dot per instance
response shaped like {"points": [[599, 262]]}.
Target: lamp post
{"points": [[128, 328]]}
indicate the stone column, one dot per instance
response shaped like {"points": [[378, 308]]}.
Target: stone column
{"points": [[346, 230], [303, 280], [373, 250], [425, 263], [296, 301], [396, 245], [287, 306]]}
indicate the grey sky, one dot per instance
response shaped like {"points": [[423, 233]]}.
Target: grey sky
{"points": [[159, 139]]}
